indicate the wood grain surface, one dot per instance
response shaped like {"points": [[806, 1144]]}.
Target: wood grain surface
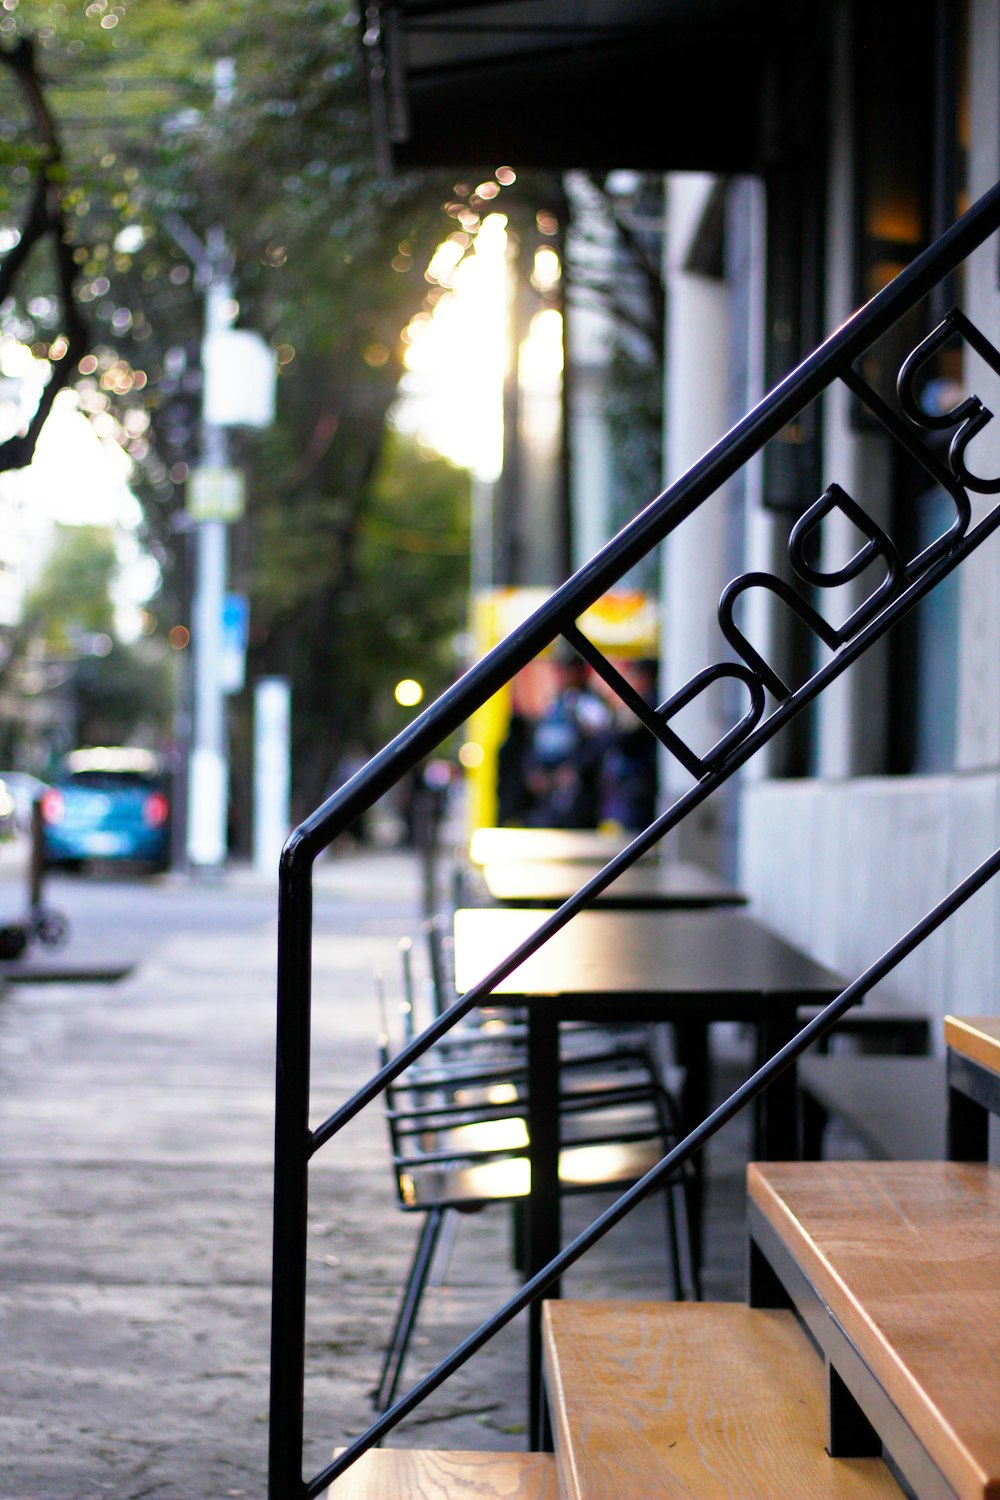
{"points": [[977, 1037], [718, 1401], [422, 1474], [907, 1257]]}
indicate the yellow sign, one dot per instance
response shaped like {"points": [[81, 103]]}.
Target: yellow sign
{"points": [[623, 624]]}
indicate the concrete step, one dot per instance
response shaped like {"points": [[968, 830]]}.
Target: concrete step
{"points": [[708, 1401], [895, 1269]]}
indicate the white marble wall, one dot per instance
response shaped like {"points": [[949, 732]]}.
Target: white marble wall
{"points": [[978, 728], [695, 416], [845, 864], [846, 868]]}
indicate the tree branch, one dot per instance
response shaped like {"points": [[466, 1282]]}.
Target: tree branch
{"points": [[44, 218]]}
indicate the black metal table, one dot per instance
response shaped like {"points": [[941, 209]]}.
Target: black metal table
{"points": [[689, 968], [541, 882]]}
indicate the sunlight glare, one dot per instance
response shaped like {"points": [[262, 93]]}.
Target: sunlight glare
{"points": [[542, 352], [451, 396]]}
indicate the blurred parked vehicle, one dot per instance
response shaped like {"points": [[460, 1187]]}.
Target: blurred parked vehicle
{"points": [[108, 804], [26, 790]]}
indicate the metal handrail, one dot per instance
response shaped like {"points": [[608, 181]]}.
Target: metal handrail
{"points": [[295, 1142]]}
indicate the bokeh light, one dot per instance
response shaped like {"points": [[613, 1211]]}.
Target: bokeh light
{"points": [[451, 396], [408, 692]]}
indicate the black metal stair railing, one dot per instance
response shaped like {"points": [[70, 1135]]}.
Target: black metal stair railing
{"points": [[902, 583]]}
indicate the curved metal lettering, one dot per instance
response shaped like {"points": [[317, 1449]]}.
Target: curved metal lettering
{"points": [[696, 686], [938, 472], [752, 670], [624, 691], [969, 416], [878, 545], [734, 635]]}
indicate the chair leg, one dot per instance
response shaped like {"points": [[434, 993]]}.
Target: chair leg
{"points": [[518, 1226], [409, 1306], [673, 1242], [680, 1241], [442, 1256], [683, 1190]]}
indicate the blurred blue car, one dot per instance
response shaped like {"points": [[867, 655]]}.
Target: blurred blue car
{"points": [[108, 804]]}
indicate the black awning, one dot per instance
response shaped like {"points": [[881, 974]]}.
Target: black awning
{"points": [[648, 84]]}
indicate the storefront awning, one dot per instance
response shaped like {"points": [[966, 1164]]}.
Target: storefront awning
{"points": [[646, 84]]}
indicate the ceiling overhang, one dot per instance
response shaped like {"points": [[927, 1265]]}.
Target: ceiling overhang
{"points": [[653, 85]]}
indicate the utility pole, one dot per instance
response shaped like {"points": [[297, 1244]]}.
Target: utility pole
{"points": [[237, 390], [208, 785]]}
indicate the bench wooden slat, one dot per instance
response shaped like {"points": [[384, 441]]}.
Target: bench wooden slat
{"points": [[427, 1474], [701, 1400], [906, 1256], [976, 1037]]}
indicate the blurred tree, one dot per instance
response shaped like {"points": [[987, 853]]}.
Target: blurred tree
{"points": [[181, 116], [72, 598], [66, 657]]}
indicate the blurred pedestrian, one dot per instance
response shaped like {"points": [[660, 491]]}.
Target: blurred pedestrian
{"points": [[567, 750], [514, 796], [630, 764]]}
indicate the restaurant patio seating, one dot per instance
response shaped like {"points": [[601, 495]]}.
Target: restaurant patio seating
{"points": [[459, 1143]]}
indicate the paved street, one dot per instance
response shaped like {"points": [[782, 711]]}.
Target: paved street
{"points": [[135, 1142]]}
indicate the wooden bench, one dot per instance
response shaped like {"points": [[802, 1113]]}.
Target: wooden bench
{"points": [[894, 1267], [703, 1400], [425, 1474], [973, 1084], [868, 1029], [895, 1106]]}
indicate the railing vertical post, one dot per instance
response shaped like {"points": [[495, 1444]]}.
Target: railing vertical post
{"points": [[291, 1178]]}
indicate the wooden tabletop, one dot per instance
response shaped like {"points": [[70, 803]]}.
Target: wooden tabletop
{"points": [[709, 956], [489, 845], [541, 882]]}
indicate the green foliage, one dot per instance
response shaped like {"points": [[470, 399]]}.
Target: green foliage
{"points": [[72, 598], [392, 607], [95, 689], [327, 260], [413, 574], [124, 697]]}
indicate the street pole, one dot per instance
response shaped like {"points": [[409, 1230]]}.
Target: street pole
{"points": [[208, 790], [238, 391]]}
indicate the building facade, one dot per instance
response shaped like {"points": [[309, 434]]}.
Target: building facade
{"points": [[810, 152], [859, 817]]}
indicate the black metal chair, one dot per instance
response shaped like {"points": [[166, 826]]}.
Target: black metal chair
{"points": [[503, 1033], [458, 1138]]}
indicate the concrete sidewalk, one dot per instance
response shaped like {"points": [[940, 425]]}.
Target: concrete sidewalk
{"points": [[135, 1135]]}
